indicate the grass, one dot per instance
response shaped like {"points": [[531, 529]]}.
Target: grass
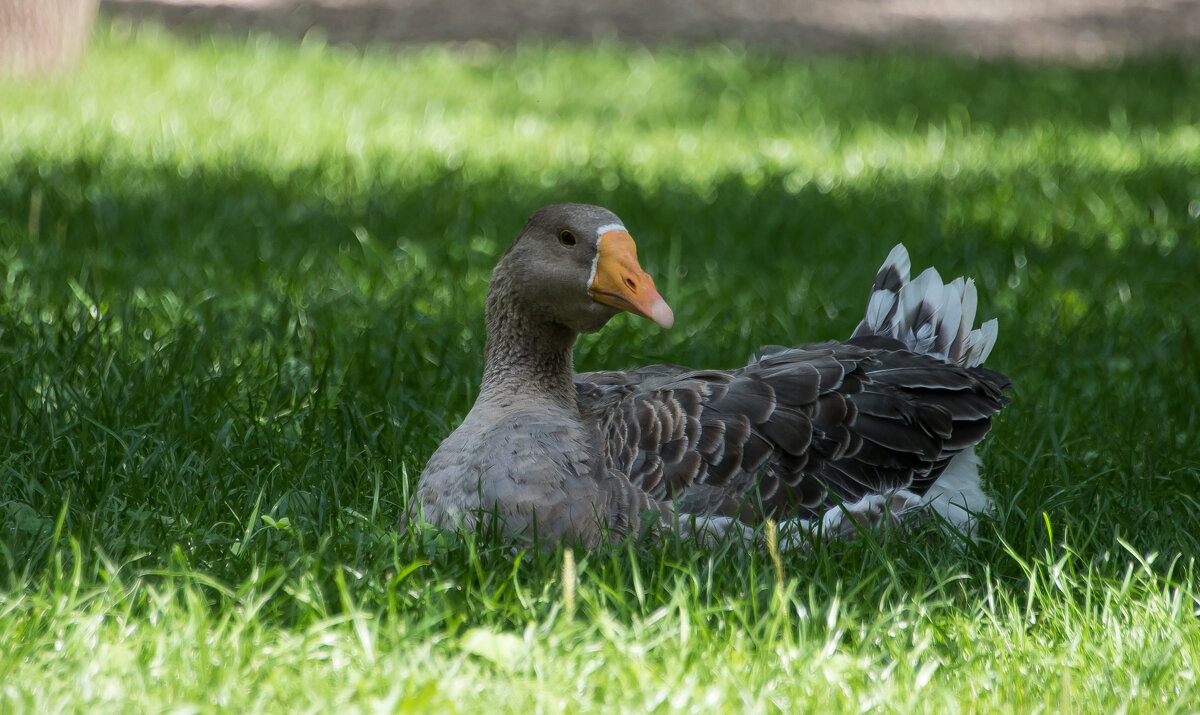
{"points": [[240, 303]]}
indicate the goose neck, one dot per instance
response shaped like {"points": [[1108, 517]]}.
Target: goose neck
{"points": [[527, 357]]}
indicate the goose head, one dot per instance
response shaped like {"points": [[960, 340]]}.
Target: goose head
{"points": [[576, 265]]}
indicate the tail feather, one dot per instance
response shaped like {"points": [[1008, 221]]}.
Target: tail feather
{"points": [[970, 301], [893, 274], [979, 343], [948, 328], [882, 304], [927, 315], [920, 307]]}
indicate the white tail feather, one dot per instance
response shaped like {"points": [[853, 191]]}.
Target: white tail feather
{"points": [[920, 306], [898, 259], [979, 344], [882, 304], [951, 321], [970, 302], [878, 307], [926, 315]]}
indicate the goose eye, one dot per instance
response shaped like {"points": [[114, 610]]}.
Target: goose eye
{"points": [[567, 238]]}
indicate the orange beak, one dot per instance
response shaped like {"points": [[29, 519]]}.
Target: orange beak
{"points": [[620, 282]]}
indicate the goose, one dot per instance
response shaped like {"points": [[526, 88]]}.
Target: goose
{"points": [[825, 439]]}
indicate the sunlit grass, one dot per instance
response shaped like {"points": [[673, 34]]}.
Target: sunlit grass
{"points": [[240, 303]]}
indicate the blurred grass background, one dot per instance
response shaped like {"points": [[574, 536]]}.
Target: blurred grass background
{"points": [[241, 303]]}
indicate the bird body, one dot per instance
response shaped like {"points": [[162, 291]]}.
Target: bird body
{"points": [[826, 439]]}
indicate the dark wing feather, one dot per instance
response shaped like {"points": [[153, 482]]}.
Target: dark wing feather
{"points": [[794, 431], [915, 414]]}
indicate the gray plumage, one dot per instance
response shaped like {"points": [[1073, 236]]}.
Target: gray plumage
{"points": [[806, 435]]}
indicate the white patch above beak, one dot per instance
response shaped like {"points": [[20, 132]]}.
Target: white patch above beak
{"points": [[596, 259], [610, 227]]}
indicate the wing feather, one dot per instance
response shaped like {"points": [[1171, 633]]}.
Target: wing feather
{"points": [[795, 431]]}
